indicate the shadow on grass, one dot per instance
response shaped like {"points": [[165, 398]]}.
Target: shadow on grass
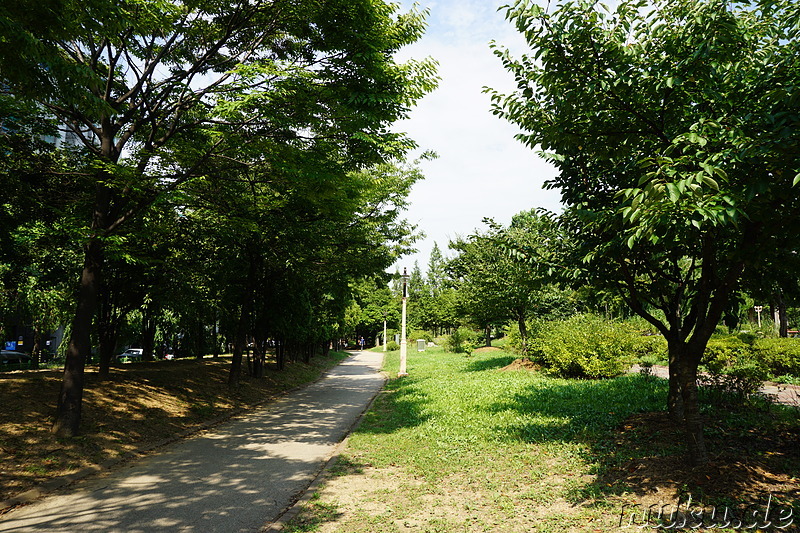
{"points": [[490, 364], [636, 449], [579, 411], [400, 405]]}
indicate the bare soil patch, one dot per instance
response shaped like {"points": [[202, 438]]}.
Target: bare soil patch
{"points": [[141, 405], [486, 349], [746, 466], [523, 364]]}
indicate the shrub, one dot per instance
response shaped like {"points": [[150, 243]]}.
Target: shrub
{"points": [[588, 346], [733, 370], [723, 352], [780, 356], [513, 341], [392, 346], [462, 340], [420, 334]]}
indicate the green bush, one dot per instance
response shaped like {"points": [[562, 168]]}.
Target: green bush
{"points": [[747, 337], [420, 334], [462, 340], [392, 346], [722, 352], [589, 346], [513, 341], [780, 356], [733, 369]]}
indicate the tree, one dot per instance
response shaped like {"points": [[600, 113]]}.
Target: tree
{"points": [[499, 273], [674, 129], [155, 91]]}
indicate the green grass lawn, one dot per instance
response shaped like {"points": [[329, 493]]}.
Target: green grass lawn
{"points": [[461, 446]]}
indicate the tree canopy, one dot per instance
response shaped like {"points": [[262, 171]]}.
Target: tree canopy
{"points": [[276, 113], [674, 129]]}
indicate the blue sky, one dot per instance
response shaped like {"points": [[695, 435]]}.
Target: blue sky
{"points": [[482, 171]]}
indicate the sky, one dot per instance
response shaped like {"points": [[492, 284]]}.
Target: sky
{"points": [[482, 170]]}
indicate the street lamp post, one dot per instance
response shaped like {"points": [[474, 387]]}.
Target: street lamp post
{"points": [[384, 331], [403, 344]]}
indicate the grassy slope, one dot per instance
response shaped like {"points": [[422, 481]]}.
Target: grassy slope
{"points": [[462, 446], [142, 404]]}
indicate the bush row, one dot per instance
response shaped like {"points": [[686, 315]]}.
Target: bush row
{"points": [[744, 354], [589, 346]]}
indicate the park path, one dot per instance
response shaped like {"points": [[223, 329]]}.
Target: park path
{"points": [[785, 394], [238, 477]]}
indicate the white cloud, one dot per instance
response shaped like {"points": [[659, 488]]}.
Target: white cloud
{"points": [[482, 171]]}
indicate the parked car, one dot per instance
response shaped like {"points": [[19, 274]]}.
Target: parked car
{"points": [[10, 357], [130, 355]]}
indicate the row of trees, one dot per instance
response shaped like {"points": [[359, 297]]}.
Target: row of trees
{"points": [[229, 165]]}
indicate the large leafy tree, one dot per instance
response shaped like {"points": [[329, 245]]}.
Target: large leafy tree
{"points": [[155, 90], [674, 127]]}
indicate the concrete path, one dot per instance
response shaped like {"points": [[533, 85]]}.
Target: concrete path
{"points": [[237, 477]]}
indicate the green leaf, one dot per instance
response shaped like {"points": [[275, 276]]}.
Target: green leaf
{"points": [[674, 193], [796, 180], [710, 182]]}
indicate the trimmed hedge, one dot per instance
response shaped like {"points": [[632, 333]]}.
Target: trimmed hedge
{"points": [[780, 356]]}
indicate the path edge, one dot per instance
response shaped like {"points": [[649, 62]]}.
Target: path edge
{"points": [[51, 485], [305, 495]]}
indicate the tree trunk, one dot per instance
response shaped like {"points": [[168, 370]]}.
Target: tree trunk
{"points": [[215, 335], [68, 412], [523, 333], [674, 397], [148, 335], [698, 455], [107, 328], [280, 354], [683, 402], [239, 345], [779, 315], [37, 347], [488, 334]]}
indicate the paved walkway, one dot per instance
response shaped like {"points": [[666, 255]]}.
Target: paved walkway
{"points": [[238, 477], [785, 394]]}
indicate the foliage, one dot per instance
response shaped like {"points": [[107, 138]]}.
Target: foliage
{"points": [[462, 340], [588, 346], [420, 334], [263, 129], [674, 128], [504, 273], [392, 346], [747, 355], [733, 371], [780, 356]]}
